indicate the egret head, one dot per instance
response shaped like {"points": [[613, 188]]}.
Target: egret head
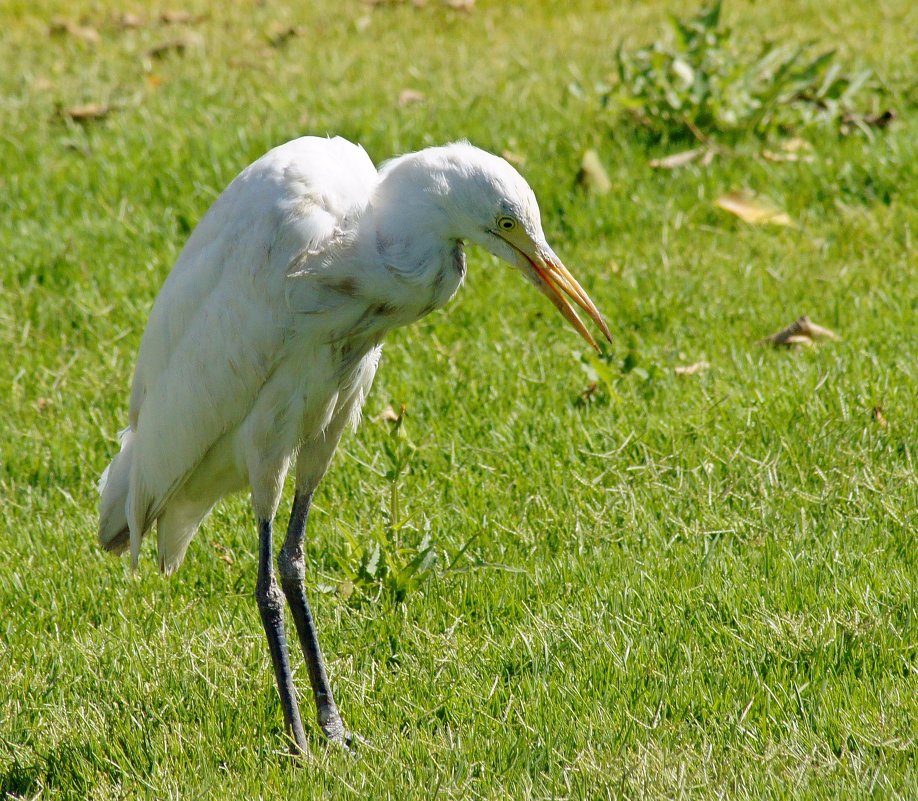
{"points": [[491, 204]]}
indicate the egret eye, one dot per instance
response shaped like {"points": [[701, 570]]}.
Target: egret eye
{"points": [[506, 223]]}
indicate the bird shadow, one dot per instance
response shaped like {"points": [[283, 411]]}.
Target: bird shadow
{"points": [[71, 765]]}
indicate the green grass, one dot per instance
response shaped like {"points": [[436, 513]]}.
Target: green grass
{"points": [[699, 586]]}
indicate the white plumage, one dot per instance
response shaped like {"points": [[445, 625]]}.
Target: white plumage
{"points": [[265, 338], [224, 389]]}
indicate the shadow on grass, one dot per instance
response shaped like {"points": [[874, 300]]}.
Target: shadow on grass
{"points": [[72, 767]]}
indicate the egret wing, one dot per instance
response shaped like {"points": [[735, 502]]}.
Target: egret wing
{"points": [[219, 322]]}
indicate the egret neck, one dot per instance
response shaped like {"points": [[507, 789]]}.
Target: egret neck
{"points": [[411, 235]]}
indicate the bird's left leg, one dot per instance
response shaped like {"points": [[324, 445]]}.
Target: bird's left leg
{"points": [[270, 605], [292, 568]]}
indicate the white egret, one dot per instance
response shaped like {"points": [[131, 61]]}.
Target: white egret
{"points": [[264, 340]]}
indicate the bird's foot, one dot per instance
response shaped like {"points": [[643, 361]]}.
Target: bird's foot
{"points": [[334, 731]]}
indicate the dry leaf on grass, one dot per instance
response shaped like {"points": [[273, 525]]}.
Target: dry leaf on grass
{"points": [[795, 145], [84, 33], [87, 112], [179, 17], [587, 395], [223, 553], [127, 20], [752, 209], [389, 415], [880, 120], [408, 97], [593, 175], [190, 41], [879, 417], [513, 158], [691, 369], [278, 35], [376, 3], [802, 331], [771, 155], [793, 149], [677, 160]]}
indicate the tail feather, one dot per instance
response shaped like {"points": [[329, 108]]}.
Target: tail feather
{"points": [[127, 512], [120, 523], [114, 534], [175, 528]]}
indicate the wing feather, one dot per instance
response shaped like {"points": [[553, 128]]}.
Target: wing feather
{"points": [[218, 325]]}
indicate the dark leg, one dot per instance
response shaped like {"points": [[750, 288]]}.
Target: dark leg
{"points": [[271, 606], [292, 568]]}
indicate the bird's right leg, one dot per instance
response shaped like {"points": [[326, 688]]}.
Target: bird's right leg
{"points": [[271, 605], [292, 567]]}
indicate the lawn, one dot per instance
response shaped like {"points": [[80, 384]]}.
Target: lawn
{"points": [[647, 584]]}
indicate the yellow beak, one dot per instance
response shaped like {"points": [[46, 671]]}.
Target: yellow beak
{"points": [[544, 269]]}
